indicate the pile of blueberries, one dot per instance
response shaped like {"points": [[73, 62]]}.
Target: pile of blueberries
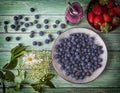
{"points": [[20, 20], [78, 55]]}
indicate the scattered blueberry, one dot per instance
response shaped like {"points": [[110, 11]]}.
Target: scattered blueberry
{"points": [[20, 44], [35, 21], [36, 16], [26, 24], [46, 21], [32, 32], [16, 28], [38, 26], [26, 18], [51, 39], [32, 9], [49, 35], [54, 26], [47, 41], [39, 43], [31, 35], [18, 38], [23, 29], [6, 22], [46, 26], [16, 18], [30, 24], [62, 25], [41, 33], [21, 23], [34, 43], [8, 38], [59, 32], [20, 16], [13, 26], [57, 21], [16, 22]]}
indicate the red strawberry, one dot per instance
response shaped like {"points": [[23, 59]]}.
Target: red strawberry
{"points": [[91, 17], [98, 20], [110, 4], [97, 26], [104, 9], [97, 9], [112, 12], [115, 21], [106, 17], [117, 10]]}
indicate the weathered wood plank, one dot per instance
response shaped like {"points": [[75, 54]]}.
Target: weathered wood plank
{"points": [[41, 6], [109, 78], [66, 90], [113, 62]]}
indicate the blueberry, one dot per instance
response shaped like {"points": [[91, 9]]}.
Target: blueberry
{"points": [[8, 38], [16, 28], [20, 44], [39, 43], [59, 32], [51, 39], [38, 26], [30, 24], [20, 16], [46, 21], [32, 32], [32, 9], [16, 18], [57, 21], [16, 22], [17, 38], [46, 26], [23, 29], [47, 41], [34, 43], [31, 35], [54, 26], [26, 24], [49, 35], [26, 18], [100, 59], [6, 22], [36, 16], [21, 23], [12, 26], [35, 21], [41, 33], [62, 25]]}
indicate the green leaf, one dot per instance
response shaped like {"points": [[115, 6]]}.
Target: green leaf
{"points": [[6, 29], [9, 76], [2, 76], [50, 84], [17, 50], [49, 77], [37, 87], [11, 65]]}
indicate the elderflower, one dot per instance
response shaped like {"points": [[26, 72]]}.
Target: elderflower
{"points": [[31, 58]]}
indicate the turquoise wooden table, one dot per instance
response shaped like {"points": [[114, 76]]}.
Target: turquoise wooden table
{"points": [[107, 82]]}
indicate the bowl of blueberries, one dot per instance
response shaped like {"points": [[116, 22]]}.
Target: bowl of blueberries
{"points": [[79, 55]]}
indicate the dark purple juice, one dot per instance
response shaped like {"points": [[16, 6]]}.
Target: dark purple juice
{"points": [[71, 16]]}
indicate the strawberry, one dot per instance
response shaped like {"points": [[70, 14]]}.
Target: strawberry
{"points": [[106, 17], [90, 17], [115, 21], [110, 4], [97, 26], [112, 12], [98, 20], [97, 9], [104, 9], [105, 27], [117, 10]]}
